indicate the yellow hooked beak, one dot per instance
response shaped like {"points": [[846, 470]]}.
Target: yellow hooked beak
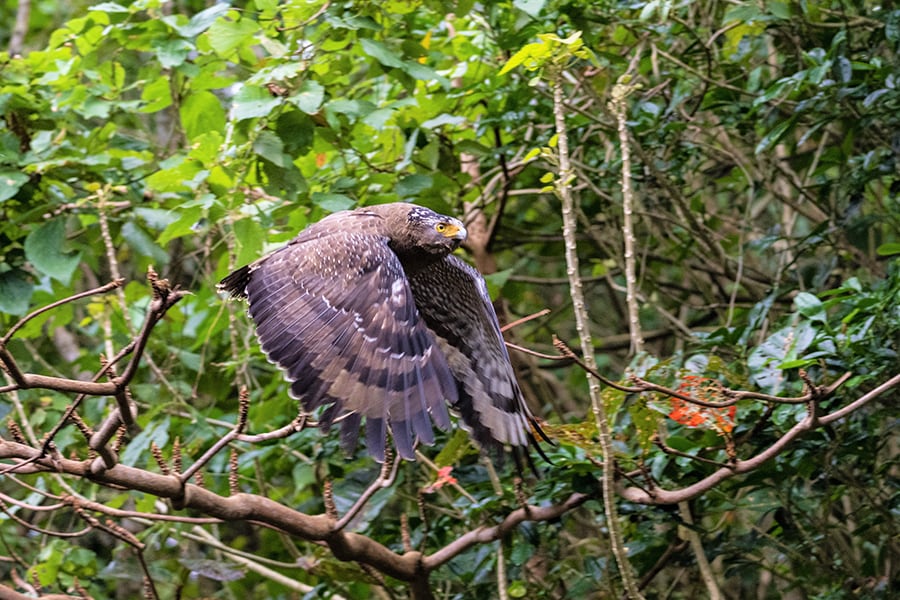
{"points": [[451, 229]]}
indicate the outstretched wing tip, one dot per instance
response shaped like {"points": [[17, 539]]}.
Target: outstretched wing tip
{"points": [[235, 283]]}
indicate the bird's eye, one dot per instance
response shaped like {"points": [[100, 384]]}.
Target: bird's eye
{"points": [[440, 227]]}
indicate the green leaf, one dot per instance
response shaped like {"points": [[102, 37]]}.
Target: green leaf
{"points": [[476, 149], [780, 10], [15, 292], [201, 112], [532, 56], [424, 73], [203, 20], [143, 244], [381, 53], [645, 422], [253, 101], [225, 36], [10, 183], [184, 175], [458, 445], [773, 137], [443, 119], [109, 7], [532, 7], [250, 237], [172, 53], [44, 250], [496, 281], [156, 95], [784, 345], [532, 154], [187, 221], [892, 27], [270, 147], [888, 249], [810, 306], [309, 97], [157, 432], [796, 364], [413, 185], [517, 589], [332, 202]]}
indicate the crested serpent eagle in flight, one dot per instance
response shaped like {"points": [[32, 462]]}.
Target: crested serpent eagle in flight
{"points": [[370, 315]]}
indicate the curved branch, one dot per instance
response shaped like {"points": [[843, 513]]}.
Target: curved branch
{"points": [[660, 496], [239, 507], [485, 534]]}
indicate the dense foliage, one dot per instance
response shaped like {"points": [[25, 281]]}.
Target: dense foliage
{"points": [[765, 151]]}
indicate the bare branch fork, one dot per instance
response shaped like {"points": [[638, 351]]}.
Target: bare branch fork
{"points": [[164, 297]]}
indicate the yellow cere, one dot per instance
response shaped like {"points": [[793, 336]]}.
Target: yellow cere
{"points": [[447, 229]]}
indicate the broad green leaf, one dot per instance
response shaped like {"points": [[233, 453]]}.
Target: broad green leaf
{"points": [[270, 147], [172, 53], [252, 102], [10, 183], [425, 73], [143, 244], [412, 185], [185, 224], [517, 589], [784, 345], [225, 36], [532, 7], [495, 281], [892, 26], [888, 249], [458, 445], [532, 56], [778, 9], [309, 97], [797, 363], [476, 149], [401, 7], [444, 119], [810, 306], [351, 108], [139, 447], [109, 7], [44, 250], [15, 292], [156, 95], [380, 52], [183, 176], [332, 202], [249, 239], [203, 20], [201, 112]]}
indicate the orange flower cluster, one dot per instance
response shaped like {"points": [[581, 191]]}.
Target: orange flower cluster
{"points": [[721, 420], [443, 477]]}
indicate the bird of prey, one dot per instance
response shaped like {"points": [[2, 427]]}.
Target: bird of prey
{"points": [[370, 315]]}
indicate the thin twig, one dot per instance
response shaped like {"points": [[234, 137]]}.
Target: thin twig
{"points": [[116, 283], [385, 480], [530, 317], [712, 587]]}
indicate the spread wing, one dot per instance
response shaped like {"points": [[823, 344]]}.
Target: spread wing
{"points": [[335, 311], [453, 300]]}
